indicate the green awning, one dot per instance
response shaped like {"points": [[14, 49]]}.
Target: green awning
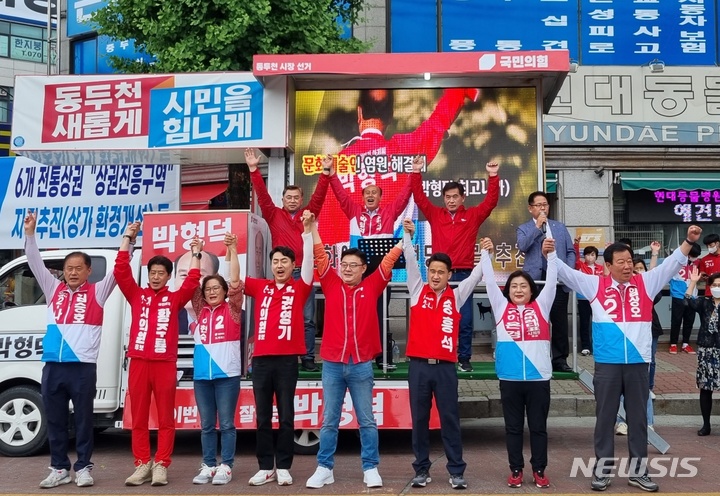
{"points": [[634, 181], [551, 182]]}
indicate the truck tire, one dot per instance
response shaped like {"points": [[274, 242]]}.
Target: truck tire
{"points": [[23, 424], [307, 441]]}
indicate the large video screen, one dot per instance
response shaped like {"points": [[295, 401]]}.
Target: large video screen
{"points": [[375, 133]]}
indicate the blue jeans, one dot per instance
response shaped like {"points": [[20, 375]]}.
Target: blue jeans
{"points": [[309, 318], [466, 321], [217, 401], [336, 379]]}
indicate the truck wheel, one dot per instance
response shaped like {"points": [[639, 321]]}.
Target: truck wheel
{"points": [[307, 441], [23, 425]]}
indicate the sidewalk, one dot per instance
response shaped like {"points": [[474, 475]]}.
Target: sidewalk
{"points": [[675, 390]]}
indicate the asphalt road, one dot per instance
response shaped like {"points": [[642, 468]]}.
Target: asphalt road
{"points": [[484, 446]]}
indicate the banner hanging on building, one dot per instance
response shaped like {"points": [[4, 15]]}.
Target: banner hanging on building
{"points": [[80, 206], [114, 112]]}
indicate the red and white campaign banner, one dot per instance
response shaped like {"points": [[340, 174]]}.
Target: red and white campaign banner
{"points": [[148, 111], [413, 63], [391, 408]]}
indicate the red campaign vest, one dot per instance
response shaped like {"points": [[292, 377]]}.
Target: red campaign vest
{"points": [[279, 321], [526, 325], [434, 326], [637, 306], [79, 307], [216, 325]]}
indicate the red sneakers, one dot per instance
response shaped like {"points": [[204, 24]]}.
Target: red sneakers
{"points": [[688, 349], [673, 349], [541, 480], [515, 479]]}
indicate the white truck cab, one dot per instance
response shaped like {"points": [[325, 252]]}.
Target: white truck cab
{"points": [[23, 322]]}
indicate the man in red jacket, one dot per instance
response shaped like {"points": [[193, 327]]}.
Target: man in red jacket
{"points": [[286, 228], [454, 232], [350, 343], [370, 220], [152, 350]]}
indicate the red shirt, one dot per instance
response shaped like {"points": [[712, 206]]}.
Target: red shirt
{"points": [[709, 264], [285, 228], [279, 322], [351, 320], [455, 235], [434, 326], [583, 267], [154, 329]]}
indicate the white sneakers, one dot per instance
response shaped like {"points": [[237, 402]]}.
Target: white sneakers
{"points": [[372, 478], [262, 477], [283, 477], [324, 476], [320, 478], [83, 477], [206, 474], [621, 429], [223, 475], [56, 478]]}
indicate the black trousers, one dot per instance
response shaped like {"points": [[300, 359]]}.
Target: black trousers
{"points": [[612, 380], [62, 382], [275, 377], [680, 313], [585, 315], [519, 398], [559, 323], [425, 381]]}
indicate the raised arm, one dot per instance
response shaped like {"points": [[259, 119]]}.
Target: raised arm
{"points": [[107, 284], [654, 253], [388, 261], [192, 281], [401, 200], [585, 284], [235, 290], [428, 137], [497, 299], [576, 246], [318, 197], [322, 262], [267, 207], [45, 279], [547, 294], [426, 207], [661, 275], [482, 211], [414, 278], [306, 269], [691, 298], [347, 205]]}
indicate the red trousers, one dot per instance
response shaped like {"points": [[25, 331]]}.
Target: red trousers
{"points": [[148, 378]]}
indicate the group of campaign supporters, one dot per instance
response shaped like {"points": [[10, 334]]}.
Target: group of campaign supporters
{"points": [[532, 339]]}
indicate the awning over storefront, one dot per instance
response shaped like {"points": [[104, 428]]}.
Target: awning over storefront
{"points": [[551, 182], [198, 196], [653, 181]]}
